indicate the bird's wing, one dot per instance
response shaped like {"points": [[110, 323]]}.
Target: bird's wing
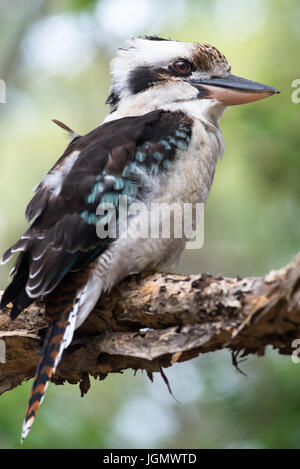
{"points": [[55, 254], [95, 169]]}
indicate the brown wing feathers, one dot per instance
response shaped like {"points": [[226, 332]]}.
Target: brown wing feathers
{"points": [[56, 252]]}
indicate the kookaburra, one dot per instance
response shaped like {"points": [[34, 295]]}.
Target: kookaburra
{"points": [[159, 143]]}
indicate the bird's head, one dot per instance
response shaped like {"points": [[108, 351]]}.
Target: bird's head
{"points": [[157, 73]]}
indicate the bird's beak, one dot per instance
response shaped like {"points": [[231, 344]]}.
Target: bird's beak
{"points": [[232, 90]]}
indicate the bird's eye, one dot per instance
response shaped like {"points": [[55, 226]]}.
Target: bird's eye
{"points": [[181, 66]]}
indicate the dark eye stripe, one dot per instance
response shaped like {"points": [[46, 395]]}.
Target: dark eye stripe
{"points": [[143, 77]]}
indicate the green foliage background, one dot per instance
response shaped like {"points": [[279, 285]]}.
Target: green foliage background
{"points": [[252, 219]]}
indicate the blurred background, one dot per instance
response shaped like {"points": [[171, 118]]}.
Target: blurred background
{"points": [[54, 58]]}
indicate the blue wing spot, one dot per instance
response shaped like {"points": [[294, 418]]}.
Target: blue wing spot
{"points": [[118, 184], [172, 140], [166, 144], [126, 171], [96, 189], [85, 215], [137, 168], [93, 219], [110, 198], [90, 218], [181, 145], [134, 167], [140, 156], [180, 134], [166, 164], [158, 156]]}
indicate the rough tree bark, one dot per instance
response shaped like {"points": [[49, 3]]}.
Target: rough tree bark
{"points": [[150, 322]]}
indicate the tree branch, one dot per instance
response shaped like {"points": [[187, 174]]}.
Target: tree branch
{"points": [[152, 321]]}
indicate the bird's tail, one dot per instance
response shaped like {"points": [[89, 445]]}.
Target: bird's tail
{"points": [[59, 336]]}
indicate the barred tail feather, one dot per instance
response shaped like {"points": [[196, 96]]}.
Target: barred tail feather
{"points": [[58, 338]]}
